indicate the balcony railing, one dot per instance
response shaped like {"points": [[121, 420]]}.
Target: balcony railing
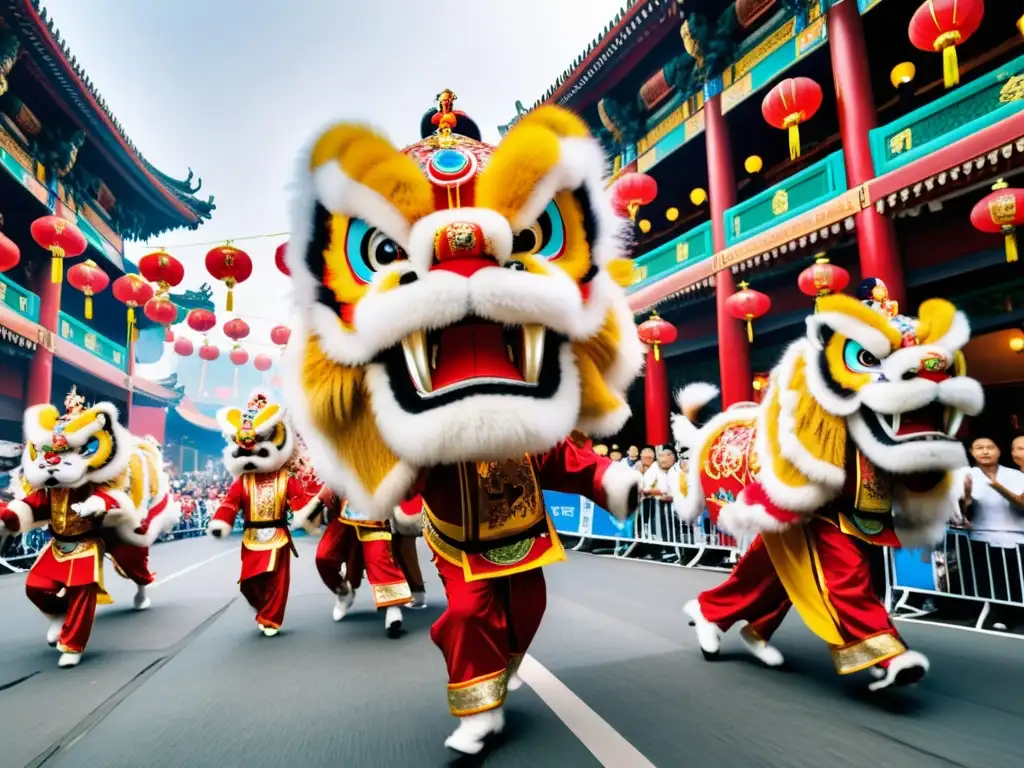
{"points": [[84, 337], [960, 113], [684, 251], [789, 198], [21, 300]]}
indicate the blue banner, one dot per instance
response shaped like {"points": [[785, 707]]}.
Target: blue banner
{"points": [[566, 511], [605, 524], [914, 569]]}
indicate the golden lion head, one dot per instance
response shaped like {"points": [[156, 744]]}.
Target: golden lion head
{"points": [[259, 437], [456, 301]]}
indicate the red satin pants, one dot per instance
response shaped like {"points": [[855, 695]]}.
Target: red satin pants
{"points": [[77, 605], [340, 544], [267, 592]]}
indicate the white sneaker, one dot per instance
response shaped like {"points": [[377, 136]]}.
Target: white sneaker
{"points": [[473, 731], [53, 631], [141, 601], [393, 621], [769, 655], [268, 631], [709, 636], [342, 604], [69, 660], [906, 669], [419, 601]]}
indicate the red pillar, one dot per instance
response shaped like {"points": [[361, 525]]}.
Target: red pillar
{"points": [[733, 347], [656, 399], [40, 371], [876, 235]]}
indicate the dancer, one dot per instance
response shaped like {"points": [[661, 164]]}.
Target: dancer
{"points": [[352, 544], [71, 466], [854, 440], [460, 313], [260, 444]]}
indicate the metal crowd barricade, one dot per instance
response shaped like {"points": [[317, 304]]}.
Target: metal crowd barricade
{"points": [[962, 567]]}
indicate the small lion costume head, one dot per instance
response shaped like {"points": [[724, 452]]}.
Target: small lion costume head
{"points": [[456, 301], [259, 437]]}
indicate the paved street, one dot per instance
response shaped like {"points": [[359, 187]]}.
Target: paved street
{"points": [[616, 679]]}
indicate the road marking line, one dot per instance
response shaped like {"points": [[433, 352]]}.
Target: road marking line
{"points": [[605, 743], [189, 569]]}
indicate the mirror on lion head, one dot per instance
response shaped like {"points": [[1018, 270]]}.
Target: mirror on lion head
{"points": [[456, 301]]}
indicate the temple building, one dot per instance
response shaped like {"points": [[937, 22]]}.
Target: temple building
{"points": [[771, 136], [64, 154]]}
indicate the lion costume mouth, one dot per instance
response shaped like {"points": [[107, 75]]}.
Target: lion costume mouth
{"points": [[933, 423], [473, 357]]}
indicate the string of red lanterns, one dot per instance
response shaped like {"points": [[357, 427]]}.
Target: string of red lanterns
{"points": [[749, 305], [132, 291], [62, 239], [231, 266]]}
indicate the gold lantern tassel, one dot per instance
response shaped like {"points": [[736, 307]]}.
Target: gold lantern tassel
{"points": [[56, 264], [657, 352], [794, 141], [633, 209], [230, 283], [750, 329], [950, 66], [88, 305], [1011, 244]]}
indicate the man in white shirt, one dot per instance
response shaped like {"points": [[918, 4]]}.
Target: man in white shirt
{"points": [[658, 519], [993, 504]]}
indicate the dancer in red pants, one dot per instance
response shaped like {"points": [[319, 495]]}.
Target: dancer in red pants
{"points": [[351, 545], [260, 445]]}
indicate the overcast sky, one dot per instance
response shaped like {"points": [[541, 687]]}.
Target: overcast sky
{"points": [[233, 88]]}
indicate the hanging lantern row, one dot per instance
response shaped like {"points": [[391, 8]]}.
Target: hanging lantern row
{"points": [[822, 278], [163, 269], [793, 101], [231, 266], [88, 278], [280, 334], [748, 304], [236, 329], [942, 25], [62, 239], [262, 362], [201, 320], [632, 191], [656, 331], [1000, 213]]}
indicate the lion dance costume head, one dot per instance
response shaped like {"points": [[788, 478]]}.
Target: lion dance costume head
{"points": [[869, 402], [457, 301], [259, 437]]}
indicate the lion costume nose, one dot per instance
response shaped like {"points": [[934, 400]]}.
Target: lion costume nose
{"points": [[461, 247], [51, 458]]}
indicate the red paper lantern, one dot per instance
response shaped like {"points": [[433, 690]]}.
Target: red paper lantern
{"points": [[793, 101], [10, 254], [280, 334], [132, 291], [201, 320], [62, 239], [942, 25], [262, 362], [161, 310], [163, 269], [279, 258], [822, 278], [655, 331], [1000, 213], [208, 353], [88, 278], [168, 335], [183, 346], [633, 190], [239, 356], [231, 266], [748, 304], [236, 329]]}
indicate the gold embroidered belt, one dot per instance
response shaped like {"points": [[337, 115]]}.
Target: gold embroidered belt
{"points": [[481, 547]]}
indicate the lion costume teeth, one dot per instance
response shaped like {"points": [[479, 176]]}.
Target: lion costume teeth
{"points": [[456, 301]]}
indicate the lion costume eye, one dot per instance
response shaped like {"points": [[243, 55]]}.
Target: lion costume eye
{"points": [[858, 359], [91, 447], [369, 250], [546, 238]]}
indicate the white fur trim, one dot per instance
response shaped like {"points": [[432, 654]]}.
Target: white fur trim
{"points": [[689, 506], [831, 401], [218, 525], [617, 482], [608, 424], [741, 519], [907, 457], [340, 194], [696, 395], [895, 396], [872, 340], [957, 336], [408, 525], [631, 352], [964, 394], [159, 525], [921, 518], [34, 433], [26, 518]]}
